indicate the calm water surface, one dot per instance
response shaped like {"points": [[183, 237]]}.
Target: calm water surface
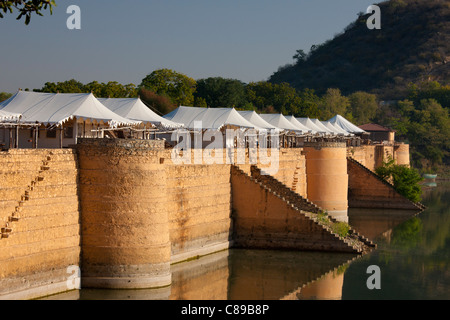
{"points": [[413, 255]]}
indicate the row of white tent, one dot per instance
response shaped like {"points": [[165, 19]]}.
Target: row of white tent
{"points": [[216, 118], [56, 108]]}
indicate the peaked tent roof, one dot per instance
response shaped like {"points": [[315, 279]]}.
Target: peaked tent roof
{"points": [[319, 124], [135, 109], [9, 116], [256, 119], [298, 124], [334, 128], [307, 122], [56, 108], [280, 121], [211, 118], [345, 124]]}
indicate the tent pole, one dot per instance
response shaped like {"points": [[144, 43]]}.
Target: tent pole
{"points": [[76, 130], [61, 132], [10, 138], [17, 136], [37, 136]]}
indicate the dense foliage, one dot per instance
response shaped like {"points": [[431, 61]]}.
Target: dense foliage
{"points": [[25, 8], [404, 179], [412, 45], [178, 87], [398, 77], [112, 89]]}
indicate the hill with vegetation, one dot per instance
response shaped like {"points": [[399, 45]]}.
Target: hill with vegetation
{"points": [[412, 46], [397, 76]]}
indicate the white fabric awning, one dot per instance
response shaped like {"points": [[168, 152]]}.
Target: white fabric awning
{"points": [[256, 119], [319, 124], [335, 129], [280, 121], [57, 108], [298, 124], [307, 122], [345, 124], [211, 118], [135, 109], [8, 116]]}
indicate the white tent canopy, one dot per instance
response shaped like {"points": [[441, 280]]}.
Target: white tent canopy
{"points": [[56, 108], [335, 129], [8, 116], [211, 118], [256, 119], [280, 121], [135, 109], [307, 122], [319, 124], [345, 124], [298, 124]]}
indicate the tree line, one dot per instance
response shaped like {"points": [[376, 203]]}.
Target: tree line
{"points": [[420, 119]]}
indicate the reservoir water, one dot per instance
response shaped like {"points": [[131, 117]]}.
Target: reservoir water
{"points": [[413, 256]]}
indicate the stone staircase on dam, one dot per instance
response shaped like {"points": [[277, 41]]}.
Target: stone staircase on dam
{"points": [[412, 205], [7, 230], [309, 213]]}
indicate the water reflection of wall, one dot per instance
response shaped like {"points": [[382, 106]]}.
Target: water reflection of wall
{"points": [[375, 223], [269, 275], [329, 287], [201, 279]]}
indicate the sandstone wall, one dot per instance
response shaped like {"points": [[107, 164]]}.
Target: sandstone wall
{"points": [[401, 154], [39, 215], [263, 220], [364, 154], [198, 204], [124, 217], [366, 190], [327, 178], [199, 198]]}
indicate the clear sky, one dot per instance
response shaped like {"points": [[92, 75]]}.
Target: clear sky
{"points": [[124, 41]]}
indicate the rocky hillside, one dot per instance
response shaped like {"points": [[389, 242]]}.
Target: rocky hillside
{"points": [[412, 45]]}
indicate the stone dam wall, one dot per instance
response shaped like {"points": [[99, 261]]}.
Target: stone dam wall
{"points": [[124, 213], [39, 217]]}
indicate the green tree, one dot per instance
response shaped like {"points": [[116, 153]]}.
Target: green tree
{"points": [[159, 104], [220, 92], [70, 86], [282, 97], [430, 90], [26, 7], [4, 96], [178, 87], [426, 125], [300, 56], [309, 104], [363, 107], [112, 89], [405, 180], [333, 103]]}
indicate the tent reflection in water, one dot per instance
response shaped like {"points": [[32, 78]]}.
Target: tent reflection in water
{"points": [[62, 118]]}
